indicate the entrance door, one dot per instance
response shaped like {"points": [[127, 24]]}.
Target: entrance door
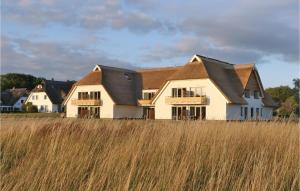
{"points": [[151, 113]]}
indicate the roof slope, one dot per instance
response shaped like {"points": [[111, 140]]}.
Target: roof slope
{"points": [[56, 90], [10, 96], [122, 85], [155, 78], [226, 79], [192, 70], [92, 78]]}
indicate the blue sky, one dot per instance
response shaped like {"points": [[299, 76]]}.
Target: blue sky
{"points": [[64, 39]]}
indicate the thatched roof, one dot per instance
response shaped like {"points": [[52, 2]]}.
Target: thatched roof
{"points": [[56, 90], [10, 96]]}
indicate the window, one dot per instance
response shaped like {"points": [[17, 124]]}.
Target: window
{"points": [[241, 111], [179, 92], [257, 112], [95, 95], [261, 112], [247, 93], [45, 96], [196, 92], [246, 112], [33, 97], [36, 97], [83, 95], [42, 108], [22, 101], [46, 108], [252, 112], [256, 94], [148, 95]]}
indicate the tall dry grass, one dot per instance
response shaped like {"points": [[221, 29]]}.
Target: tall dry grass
{"points": [[64, 154]]}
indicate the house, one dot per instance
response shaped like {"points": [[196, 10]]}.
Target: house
{"points": [[13, 99], [49, 95], [204, 88]]}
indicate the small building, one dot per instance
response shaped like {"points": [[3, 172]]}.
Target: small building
{"points": [[13, 99], [202, 89], [49, 95]]}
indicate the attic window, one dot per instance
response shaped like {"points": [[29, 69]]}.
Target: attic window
{"points": [[127, 76], [39, 86]]}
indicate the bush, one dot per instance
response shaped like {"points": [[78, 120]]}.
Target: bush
{"points": [[28, 107]]}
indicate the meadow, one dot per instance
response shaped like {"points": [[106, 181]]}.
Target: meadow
{"points": [[89, 154]]}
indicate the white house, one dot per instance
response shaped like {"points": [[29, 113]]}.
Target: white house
{"points": [[204, 88], [49, 95], [13, 99]]}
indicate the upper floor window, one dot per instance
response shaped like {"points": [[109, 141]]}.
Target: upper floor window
{"points": [[83, 95], [247, 93], [148, 95], [95, 95], [33, 97], [256, 94], [36, 97], [196, 92], [179, 92], [45, 96]]}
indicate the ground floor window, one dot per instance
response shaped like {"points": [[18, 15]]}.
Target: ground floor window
{"points": [[188, 112], [89, 112], [246, 112]]}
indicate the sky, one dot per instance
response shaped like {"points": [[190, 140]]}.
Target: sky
{"points": [[64, 39]]}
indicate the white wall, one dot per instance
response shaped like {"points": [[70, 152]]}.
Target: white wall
{"points": [[107, 108], [41, 101], [125, 111], [18, 105], [215, 109], [234, 111]]}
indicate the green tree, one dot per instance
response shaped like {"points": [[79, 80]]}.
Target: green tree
{"points": [[280, 94], [288, 107], [10, 80], [28, 107]]}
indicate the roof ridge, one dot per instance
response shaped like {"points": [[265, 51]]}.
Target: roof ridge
{"points": [[205, 57], [160, 68], [114, 67]]}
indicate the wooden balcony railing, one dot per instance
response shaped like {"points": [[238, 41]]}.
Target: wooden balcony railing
{"points": [[144, 102], [87, 102], [187, 100]]}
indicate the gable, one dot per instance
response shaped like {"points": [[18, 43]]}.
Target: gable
{"points": [[252, 83]]}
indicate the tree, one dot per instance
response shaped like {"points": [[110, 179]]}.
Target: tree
{"points": [[28, 107], [280, 94], [10, 80], [288, 107]]}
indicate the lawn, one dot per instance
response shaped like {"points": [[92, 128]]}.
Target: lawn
{"points": [[90, 154]]}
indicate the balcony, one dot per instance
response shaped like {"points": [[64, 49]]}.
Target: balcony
{"points": [[86, 102], [187, 100], [144, 102]]}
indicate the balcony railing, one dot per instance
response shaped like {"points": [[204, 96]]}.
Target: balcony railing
{"points": [[144, 102], [87, 102], [187, 100]]}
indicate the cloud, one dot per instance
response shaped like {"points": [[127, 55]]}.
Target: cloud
{"points": [[93, 15], [51, 59]]}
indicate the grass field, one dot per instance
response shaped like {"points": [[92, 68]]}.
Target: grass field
{"points": [[66, 154]]}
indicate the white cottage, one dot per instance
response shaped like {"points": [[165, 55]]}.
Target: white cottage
{"points": [[13, 99], [204, 88], [49, 95]]}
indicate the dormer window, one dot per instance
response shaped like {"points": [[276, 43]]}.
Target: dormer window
{"points": [[256, 94], [39, 86], [247, 93], [127, 76]]}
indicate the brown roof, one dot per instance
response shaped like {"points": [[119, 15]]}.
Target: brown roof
{"points": [[243, 71], [192, 70], [125, 86], [92, 78], [155, 78], [224, 77]]}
